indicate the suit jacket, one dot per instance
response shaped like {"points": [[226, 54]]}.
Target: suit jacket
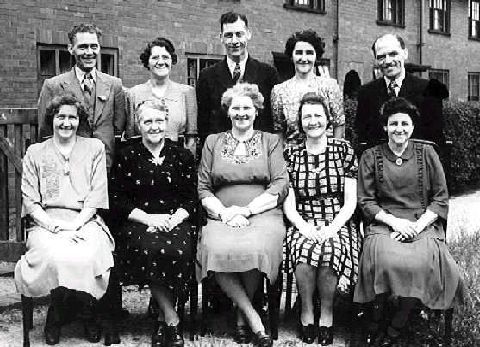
{"points": [[109, 116], [215, 80], [426, 95]]}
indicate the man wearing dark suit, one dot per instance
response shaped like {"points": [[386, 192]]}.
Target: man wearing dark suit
{"points": [[101, 94], [238, 66], [390, 54]]}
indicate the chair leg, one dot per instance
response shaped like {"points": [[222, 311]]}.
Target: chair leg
{"points": [[205, 308], [288, 295], [181, 313], [193, 309], [27, 318], [448, 327], [274, 293]]}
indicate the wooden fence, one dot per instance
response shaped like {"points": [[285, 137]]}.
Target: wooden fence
{"points": [[18, 129]]}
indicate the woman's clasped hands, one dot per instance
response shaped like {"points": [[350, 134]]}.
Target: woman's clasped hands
{"points": [[235, 216], [319, 234], [163, 222], [405, 230]]}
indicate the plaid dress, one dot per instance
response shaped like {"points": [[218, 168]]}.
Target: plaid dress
{"points": [[318, 182]]}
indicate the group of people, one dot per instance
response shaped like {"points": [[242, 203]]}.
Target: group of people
{"points": [[271, 152]]}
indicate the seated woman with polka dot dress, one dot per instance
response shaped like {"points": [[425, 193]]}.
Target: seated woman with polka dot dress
{"points": [[153, 190]]}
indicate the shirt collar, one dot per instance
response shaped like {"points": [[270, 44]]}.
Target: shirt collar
{"points": [[407, 153], [231, 65], [81, 74], [398, 81]]}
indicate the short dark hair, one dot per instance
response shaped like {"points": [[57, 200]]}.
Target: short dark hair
{"points": [[308, 36], [312, 98], [232, 17], [65, 99], [398, 37], [84, 28], [160, 42], [399, 105]]}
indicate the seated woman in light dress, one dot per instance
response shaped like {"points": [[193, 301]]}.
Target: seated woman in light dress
{"points": [[242, 181], [153, 196], [305, 48], [159, 57], [403, 194], [323, 242], [64, 182]]}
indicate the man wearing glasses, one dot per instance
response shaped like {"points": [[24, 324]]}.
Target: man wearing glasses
{"points": [[390, 55], [238, 66]]}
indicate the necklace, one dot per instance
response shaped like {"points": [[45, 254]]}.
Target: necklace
{"points": [[65, 154]]}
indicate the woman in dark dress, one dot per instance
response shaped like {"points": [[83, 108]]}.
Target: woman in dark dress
{"points": [[403, 195], [153, 189], [323, 242]]}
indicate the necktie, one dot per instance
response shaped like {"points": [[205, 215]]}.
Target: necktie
{"points": [[88, 84], [391, 89], [236, 73]]}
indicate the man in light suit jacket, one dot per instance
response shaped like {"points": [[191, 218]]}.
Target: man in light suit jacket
{"points": [[102, 94], [238, 66], [390, 54]]}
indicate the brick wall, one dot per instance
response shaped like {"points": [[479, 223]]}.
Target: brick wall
{"points": [[193, 27]]}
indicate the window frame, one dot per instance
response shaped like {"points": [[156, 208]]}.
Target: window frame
{"points": [[313, 6], [398, 13], [471, 96], [198, 57], [471, 20], [57, 49], [445, 75], [445, 14]]}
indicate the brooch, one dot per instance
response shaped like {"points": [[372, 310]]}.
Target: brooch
{"points": [[157, 161], [399, 161]]}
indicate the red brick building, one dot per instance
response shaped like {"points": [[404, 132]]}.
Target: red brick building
{"points": [[441, 34]]}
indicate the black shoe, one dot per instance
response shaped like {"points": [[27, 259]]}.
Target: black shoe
{"points": [[93, 330], [112, 337], [158, 335], [309, 333], [390, 338], [243, 334], [173, 336], [153, 309], [52, 328], [260, 339], [325, 335]]}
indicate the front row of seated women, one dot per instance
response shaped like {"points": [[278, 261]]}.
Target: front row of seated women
{"points": [[245, 179]]}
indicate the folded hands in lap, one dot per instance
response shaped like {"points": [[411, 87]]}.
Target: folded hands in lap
{"points": [[317, 234]]}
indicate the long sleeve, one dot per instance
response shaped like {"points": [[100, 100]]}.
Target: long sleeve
{"points": [[205, 182], [278, 169], [192, 111], [279, 121], [46, 96], [30, 183], [130, 113], [119, 115], [335, 103], [97, 197], [120, 187], [361, 119], [187, 188], [366, 189], [438, 197], [204, 107]]}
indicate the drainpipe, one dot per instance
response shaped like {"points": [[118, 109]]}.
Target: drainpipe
{"points": [[336, 38], [420, 43]]}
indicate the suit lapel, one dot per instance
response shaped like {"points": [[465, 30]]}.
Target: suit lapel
{"points": [[251, 69], [407, 89], [102, 91], [70, 84], [223, 75]]}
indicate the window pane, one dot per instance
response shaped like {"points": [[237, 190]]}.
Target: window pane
{"points": [[108, 62], [474, 86], [66, 61], [47, 62], [387, 10], [302, 2]]}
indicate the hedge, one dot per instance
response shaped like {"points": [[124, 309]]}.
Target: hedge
{"points": [[462, 128]]}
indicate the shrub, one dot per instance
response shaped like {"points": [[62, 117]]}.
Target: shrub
{"points": [[462, 127]]}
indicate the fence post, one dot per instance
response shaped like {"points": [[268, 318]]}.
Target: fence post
{"points": [[4, 232]]}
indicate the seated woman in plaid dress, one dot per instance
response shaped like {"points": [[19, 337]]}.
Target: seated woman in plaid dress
{"points": [[323, 243]]}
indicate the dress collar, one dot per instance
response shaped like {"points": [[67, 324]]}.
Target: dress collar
{"points": [[406, 155]]}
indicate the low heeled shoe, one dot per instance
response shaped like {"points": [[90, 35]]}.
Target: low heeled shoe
{"points": [[260, 339], [325, 335]]}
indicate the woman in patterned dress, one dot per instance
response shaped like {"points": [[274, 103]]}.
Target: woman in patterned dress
{"points": [[323, 242], [403, 194], [153, 190], [69, 248], [242, 181], [304, 48]]}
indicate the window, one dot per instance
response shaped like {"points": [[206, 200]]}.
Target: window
{"points": [[391, 12], [441, 75], [474, 86], [195, 63], [317, 6], [440, 16], [474, 25], [53, 60]]}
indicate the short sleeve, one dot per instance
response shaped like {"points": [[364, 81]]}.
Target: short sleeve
{"points": [[279, 121], [335, 103], [192, 111], [350, 164]]}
